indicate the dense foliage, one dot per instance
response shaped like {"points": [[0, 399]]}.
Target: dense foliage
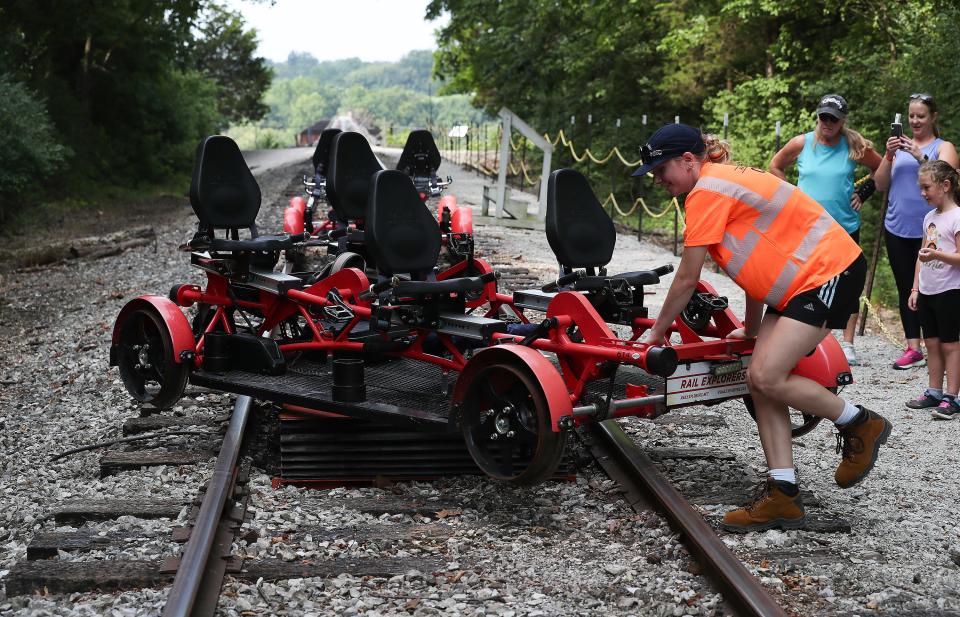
{"points": [[758, 61], [28, 144], [388, 96], [128, 87]]}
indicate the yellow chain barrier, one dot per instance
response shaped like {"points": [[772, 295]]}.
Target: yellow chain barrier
{"points": [[640, 202], [526, 175], [898, 343], [561, 138]]}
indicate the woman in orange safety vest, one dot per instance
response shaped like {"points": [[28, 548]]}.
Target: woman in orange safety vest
{"points": [[790, 256]]}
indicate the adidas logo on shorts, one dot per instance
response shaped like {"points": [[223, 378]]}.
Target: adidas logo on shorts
{"points": [[808, 306]]}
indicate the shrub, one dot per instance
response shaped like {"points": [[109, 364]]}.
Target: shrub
{"points": [[29, 150]]}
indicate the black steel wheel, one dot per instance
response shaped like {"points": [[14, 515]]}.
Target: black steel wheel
{"points": [[145, 358], [800, 423], [348, 260], [506, 426]]}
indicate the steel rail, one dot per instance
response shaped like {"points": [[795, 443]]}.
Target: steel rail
{"points": [[738, 585], [197, 552]]}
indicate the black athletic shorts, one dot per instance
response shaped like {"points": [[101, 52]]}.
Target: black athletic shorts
{"points": [[940, 315], [833, 302]]}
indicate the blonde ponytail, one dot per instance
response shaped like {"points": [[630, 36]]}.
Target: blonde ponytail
{"points": [[857, 144]]}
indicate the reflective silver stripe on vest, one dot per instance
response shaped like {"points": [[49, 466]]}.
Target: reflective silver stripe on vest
{"points": [[768, 208], [813, 237], [780, 286], [740, 249]]}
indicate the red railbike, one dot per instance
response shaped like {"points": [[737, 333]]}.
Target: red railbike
{"points": [[401, 344]]}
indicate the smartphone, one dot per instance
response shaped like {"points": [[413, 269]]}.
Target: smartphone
{"points": [[896, 128]]}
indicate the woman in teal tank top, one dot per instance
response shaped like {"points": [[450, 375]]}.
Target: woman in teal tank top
{"points": [[826, 159]]}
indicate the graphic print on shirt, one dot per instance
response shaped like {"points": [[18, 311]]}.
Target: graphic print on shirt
{"points": [[931, 240]]}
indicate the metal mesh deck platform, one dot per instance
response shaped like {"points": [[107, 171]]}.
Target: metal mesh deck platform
{"points": [[400, 433], [399, 391]]}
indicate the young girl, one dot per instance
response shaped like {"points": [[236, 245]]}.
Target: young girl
{"points": [[936, 288]]}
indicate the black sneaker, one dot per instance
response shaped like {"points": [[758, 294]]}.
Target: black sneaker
{"points": [[947, 409], [923, 402]]}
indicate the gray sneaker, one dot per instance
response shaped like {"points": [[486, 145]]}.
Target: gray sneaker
{"points": [[926, 401], [947, 409]]}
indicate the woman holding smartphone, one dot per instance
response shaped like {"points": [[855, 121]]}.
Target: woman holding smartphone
{"points": [[903, 224], [826, 159]]}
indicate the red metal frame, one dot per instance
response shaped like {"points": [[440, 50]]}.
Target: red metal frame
{"points": [[581, 361], [181, 334]]}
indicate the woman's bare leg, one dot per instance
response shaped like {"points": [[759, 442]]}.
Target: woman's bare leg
{"points": [[781, 343]]}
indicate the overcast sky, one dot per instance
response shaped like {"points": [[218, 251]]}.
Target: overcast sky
{"points": [[333, 29]]}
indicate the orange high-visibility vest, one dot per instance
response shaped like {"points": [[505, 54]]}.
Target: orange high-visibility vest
{"points": [[770, 237]]}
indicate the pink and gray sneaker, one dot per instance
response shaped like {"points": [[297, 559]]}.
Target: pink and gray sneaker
{"points": [[947, 409], [909, 359]]}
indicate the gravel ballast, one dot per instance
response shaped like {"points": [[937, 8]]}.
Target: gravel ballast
{"points": [[562, 548]]}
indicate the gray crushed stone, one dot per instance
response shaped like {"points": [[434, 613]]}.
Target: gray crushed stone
{"points": [[562, 548]]}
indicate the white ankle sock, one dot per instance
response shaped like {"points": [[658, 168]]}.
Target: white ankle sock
{"points": [[788, 474], [847, 415]]}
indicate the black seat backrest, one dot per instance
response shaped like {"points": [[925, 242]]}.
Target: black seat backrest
{"points": [[580, 233], [321, 156], [352, 165], [401, 234], [420, 156], [223, 192]]}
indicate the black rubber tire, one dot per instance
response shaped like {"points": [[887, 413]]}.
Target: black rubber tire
{"points": [[534, 450], [163, 383], [347, 260], [807, 424]]}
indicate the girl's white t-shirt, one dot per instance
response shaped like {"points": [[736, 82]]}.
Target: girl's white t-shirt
{"points": [[940, 233]]}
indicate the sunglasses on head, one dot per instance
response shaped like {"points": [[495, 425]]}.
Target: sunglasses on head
{"points": [[828, 118], [921, 96], [648, 154]]}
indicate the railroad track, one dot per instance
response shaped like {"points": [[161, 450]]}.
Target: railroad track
{"points": [[698, 491], [640, 479], [456, 531]]}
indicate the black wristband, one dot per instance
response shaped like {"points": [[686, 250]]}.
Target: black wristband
{"points": [[866, 189]]}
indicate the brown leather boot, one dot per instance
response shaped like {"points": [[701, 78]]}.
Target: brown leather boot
{"points": [[780, 505], [859, 442]]}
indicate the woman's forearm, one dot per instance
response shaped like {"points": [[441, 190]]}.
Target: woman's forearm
{"points": [[882, 175]]}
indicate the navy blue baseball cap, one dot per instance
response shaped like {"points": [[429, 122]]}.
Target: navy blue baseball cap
{"points": [[670, 141]]}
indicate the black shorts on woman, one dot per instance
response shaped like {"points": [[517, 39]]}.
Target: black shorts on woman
{"points": [[832, 303]]}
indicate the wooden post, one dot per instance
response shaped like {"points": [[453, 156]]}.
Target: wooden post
{"points": [[506, 118], [874, 259]]}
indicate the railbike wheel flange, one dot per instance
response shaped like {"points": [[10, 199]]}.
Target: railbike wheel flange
{"points": [[506, 426], [146, 362]]}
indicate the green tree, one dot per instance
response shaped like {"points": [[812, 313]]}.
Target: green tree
{"points": [[29, 150], [124, 92], [225, 53]]}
